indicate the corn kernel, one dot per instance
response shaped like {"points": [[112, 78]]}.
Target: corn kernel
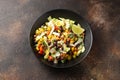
{"points": [[37, 32], [49, 36], [41, 30], [37, 48], [71, 41], [59, 31], [74, 56], [39, 42], [69, 57], [75, 53], [73, 48], [48, 28], [76, 49], [76, 39], [66, 31]]}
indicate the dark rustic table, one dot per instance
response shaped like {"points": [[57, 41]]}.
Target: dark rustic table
{"points": [[17, 61]]}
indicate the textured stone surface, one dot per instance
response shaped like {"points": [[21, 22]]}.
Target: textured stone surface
{"points": [[17, 61]]}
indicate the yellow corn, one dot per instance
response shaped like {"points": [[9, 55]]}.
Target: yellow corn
{"points": [[76, 49], [72, 48], [49, 36], [66, 30], [48, 28], [59, 31], [74, 56], [71, 41], [37, 32], [75, 39], [69, 57], [41, 30], [75, 53], [37, 48]]}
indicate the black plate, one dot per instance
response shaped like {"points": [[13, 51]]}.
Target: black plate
{"points": [[65, 14]]}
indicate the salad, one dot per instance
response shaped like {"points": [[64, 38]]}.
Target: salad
{"points": [[59, 40]]}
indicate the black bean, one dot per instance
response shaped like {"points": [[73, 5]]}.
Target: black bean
{"points": [[61, 29], [49, 42], [55, 43], [68, 43], [69, 52], [78, 45]]}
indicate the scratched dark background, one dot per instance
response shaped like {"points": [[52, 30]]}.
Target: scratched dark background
{"points": [[17, 61]]}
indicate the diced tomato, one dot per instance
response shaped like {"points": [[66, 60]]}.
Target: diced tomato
{"points": [[41, 49], [50, 58], [56, 28], [48, 32], [62, 56]]}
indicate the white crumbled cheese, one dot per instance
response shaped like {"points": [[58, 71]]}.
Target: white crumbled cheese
{"points": [[72, 45], [60, 42], [57, 54], [57, 34], [55, 61], [45, 38]]}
